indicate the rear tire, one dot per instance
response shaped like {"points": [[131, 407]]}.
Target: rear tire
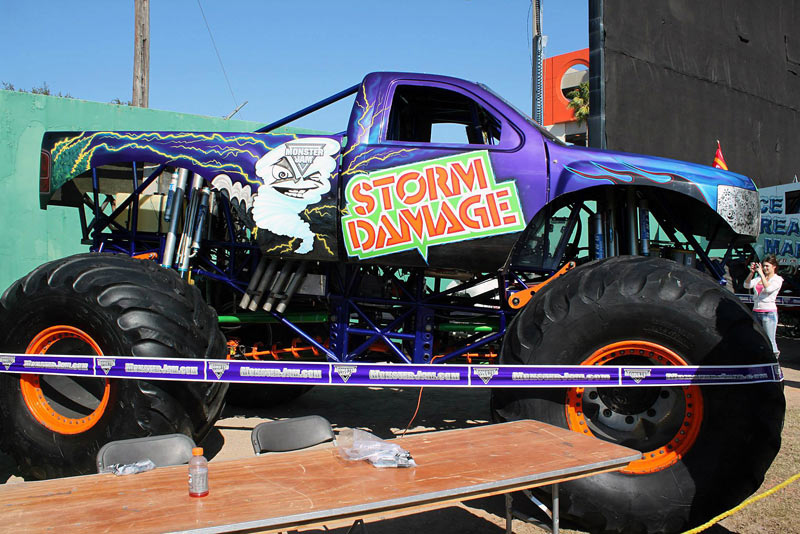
{"points": [[112, 305], [633, 310]]}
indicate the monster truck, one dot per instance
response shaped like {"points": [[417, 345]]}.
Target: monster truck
{"points": [[442, 225]]}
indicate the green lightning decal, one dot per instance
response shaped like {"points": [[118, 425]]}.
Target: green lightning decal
{"points": [[428, 203]]}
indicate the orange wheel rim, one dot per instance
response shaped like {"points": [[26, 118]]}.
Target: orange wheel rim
{"points": [[35, 396], [686, 425]]}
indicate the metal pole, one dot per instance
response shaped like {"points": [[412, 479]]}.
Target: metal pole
{"points": [[554, 509], [538, 89], [141, 54]]}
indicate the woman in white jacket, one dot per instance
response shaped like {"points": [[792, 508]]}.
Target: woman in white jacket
{"points": [[766, 286]]}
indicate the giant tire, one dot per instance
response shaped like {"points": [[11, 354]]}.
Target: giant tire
{"points": [[599, 313], [111, 305]]}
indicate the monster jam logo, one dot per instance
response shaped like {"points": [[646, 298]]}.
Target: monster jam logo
{"points": [[638, 374], [428, 203], [345, 371], [486, 373], [303, 154], [777, 373], [7, 361], [218, 368], [106, 364]]}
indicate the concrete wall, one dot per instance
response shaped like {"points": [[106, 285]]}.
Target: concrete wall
{"points": [[30, 236]]}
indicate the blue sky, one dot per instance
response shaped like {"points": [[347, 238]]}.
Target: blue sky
{"points": [[279, 55]]}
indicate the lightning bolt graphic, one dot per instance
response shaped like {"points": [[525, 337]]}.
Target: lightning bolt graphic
{"points": [[375, 111], [283, 247], [323, 238], [355, 167], [322, 211]]}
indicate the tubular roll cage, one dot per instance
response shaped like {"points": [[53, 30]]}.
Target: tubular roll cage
{"points": [[404, 317]]}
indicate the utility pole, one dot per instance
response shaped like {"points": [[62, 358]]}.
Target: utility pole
{"points": [[141, 54], [537, 77]]}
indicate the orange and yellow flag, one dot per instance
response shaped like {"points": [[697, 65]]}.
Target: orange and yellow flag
{"points": [[719, 161]]}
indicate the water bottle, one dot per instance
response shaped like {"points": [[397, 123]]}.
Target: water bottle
{"points": [[198, 474]]}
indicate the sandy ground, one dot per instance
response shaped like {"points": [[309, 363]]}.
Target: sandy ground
{"points": [[387, 412]]}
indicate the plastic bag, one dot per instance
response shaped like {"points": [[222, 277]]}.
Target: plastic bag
{"points": [[130, 469], [354, 444]]}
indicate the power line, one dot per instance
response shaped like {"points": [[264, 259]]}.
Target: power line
{"points": [[225, 74]]}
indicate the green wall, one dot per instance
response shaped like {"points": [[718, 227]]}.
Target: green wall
{"points": [[30, 236]]}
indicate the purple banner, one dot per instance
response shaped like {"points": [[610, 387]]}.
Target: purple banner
{"points": [[364, 374], [272, 372], [717, 375], [399, 375], [167, 369], [47, 365], [544, 376], [781, 300]]}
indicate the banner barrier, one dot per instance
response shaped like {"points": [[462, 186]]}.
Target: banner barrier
{"points": [[370, 374], [784, 301]]}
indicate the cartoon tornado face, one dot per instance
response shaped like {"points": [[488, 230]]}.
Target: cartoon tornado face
{"points": [[295, 175]]}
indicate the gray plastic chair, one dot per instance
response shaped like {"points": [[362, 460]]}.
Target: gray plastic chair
{"points": [[295, 434], [169, 449], [291, 434]]}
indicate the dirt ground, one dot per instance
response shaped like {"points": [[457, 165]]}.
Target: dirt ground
{"points": [[387, 412]]}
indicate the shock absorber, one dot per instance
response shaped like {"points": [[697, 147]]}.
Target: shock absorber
{"points": [[644, 227], [177, 204], [611, 226], [599, 235], [170, 196], [185, 243], [631, 225], [202, 213]]}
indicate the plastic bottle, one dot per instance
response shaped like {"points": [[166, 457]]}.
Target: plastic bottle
{"points": [[198, 474]]}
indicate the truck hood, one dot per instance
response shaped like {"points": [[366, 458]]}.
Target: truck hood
{"points": [[733, 196]]}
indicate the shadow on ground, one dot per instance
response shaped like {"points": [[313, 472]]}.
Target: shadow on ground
{"points": [[366, 408]]}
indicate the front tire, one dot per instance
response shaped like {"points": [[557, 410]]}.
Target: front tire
{"points": [[706, 448], [97, 304]]}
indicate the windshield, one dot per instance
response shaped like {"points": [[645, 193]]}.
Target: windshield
{"points": [[525, 116]]}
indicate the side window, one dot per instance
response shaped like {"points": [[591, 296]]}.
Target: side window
{"points": [[434, 115]]}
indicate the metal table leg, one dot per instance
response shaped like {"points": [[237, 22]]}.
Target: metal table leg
{"points": [[552, 513], [554, 508]]}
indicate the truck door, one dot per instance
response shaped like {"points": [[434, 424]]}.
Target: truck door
{"points": [[430, 180]]}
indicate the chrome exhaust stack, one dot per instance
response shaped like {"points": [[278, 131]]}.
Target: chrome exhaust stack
{"points": [[263, 284]]}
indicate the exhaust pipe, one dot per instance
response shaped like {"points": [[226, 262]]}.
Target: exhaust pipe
{"points": [[294, 285], [251, 287], [262, 285], [278, 286]]}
